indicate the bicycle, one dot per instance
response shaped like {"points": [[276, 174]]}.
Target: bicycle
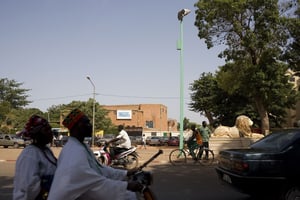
{"points": [[179, 156]]}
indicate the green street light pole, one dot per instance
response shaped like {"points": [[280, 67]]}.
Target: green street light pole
{"points": [[180, 16], [94, 94]]}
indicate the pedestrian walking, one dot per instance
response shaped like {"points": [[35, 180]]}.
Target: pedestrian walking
{"points": [[205, 133], [143, 142]]}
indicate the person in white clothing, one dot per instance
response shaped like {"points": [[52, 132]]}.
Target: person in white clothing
{"points": [[80, 176], [36, 164], [143, 142], [123, 142]]}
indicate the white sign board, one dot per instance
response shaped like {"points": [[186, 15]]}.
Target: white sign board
{"points": [[124, 114]]}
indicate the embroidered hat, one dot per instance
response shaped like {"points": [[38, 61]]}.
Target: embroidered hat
{"points": [[33, 126], [72, 118]]}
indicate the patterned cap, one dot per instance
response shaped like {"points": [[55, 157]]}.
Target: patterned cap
{"points": [[34, 125], [72, 118]]}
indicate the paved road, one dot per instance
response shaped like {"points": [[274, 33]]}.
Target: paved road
{"points": [[189, 182]]}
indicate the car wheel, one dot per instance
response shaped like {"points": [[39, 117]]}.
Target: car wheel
{"points": [[16, 145], [293, 193]]}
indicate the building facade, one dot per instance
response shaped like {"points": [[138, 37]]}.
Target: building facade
{"points": [[150, 117]]}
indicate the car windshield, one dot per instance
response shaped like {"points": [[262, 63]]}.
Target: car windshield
{"points": [[277, 141]]}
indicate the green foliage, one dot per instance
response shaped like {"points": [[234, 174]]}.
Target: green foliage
{"points": [[204, 91], [102, 122], [210, 99], [12, 93], [12, 97], [255, 36], [13, 117], [186, 124], [292, 53]]}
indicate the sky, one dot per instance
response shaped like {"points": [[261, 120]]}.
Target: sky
{"points": [[126, 47]]}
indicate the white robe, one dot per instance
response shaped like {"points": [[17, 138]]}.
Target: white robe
{"points": [[124, 136], [30, 166], [78, 176]]}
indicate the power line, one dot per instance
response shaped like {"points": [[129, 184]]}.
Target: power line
{"points": [[138, 97], [107, 95], [55, 98]]}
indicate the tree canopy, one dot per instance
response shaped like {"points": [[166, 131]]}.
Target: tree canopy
{"points": [[12, 97], [102, 122], [14, 115], [255, 35]]}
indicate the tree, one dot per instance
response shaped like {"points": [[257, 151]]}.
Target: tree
{"points": [[12, 97], [216, 104], [186, 124], [102, 122], [292, 54], [204, 91], [11, 92], [19, 117], [254, 36]]}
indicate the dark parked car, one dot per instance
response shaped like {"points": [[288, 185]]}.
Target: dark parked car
{"points": [[269, 168], [164, 140], [173, 141]]}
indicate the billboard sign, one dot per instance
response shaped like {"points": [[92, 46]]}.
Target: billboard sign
{"points": [[124, 114]]}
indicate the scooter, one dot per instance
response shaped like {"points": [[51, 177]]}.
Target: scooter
{"points": [[145, 178], [128, 158]]}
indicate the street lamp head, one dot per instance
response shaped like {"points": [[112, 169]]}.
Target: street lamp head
{"points": [[183, 13], [88, 77]]}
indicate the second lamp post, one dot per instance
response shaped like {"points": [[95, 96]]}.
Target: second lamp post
{"points": [[94, 101]]}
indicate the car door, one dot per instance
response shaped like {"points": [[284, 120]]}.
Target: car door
{"points": [[292, 164]]}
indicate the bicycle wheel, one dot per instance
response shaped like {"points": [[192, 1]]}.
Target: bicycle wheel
{"points": [[177, 157], [206, 159]]}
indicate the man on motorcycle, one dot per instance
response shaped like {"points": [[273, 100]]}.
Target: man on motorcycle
{"points": [[123, 141]]}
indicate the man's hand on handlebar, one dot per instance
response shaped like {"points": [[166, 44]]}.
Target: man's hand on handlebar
{"points": [[134, 186], [131, 172]]}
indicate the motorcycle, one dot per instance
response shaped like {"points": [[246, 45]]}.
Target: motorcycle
{"points": [[127, 158], [145, 178]]}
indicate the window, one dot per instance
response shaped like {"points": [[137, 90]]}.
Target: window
{"points": [[149, 124]]}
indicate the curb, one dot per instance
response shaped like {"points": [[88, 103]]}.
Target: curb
{"points": [[140, 161], [8, 160]]}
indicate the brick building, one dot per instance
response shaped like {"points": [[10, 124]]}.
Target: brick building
{"points": [[150, 117]]}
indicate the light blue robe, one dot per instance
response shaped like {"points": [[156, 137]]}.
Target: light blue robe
{"points": [[31, 165], [79, 176]]}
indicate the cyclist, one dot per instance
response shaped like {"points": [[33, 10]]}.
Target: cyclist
{"points": [[192, 143]]}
